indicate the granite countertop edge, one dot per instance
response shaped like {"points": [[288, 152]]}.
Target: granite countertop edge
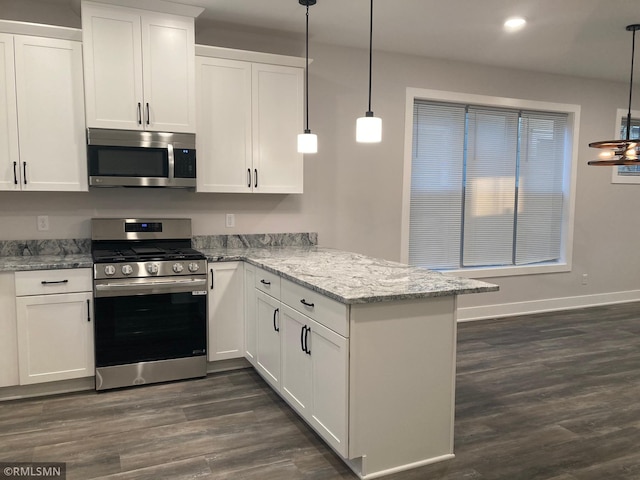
{"points": [[346, 277]]}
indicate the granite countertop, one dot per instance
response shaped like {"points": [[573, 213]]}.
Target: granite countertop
{"points": [[343, 276], [45, 262], [350, 277]]}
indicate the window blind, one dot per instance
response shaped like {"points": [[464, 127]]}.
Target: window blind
{"points": [[435, 222], [487, 186]]}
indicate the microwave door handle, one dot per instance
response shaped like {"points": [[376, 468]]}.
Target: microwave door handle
{"points": [[171, 160]]}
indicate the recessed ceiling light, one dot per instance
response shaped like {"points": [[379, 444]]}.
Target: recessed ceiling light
{"points": [[514, 23]]}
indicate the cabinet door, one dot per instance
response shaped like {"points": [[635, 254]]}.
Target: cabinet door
{"points": [[168, 50], [296, 384], [50, 100], [250, 325], [330, 377], [226, 311], [112, 44], [9, 159], [277, 120], [55, 337], [268, 338], [224, 125], [9, 337]]}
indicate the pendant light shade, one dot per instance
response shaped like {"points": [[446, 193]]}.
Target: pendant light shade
{"points": [[369, 127], [627, 151], [307, 141]]}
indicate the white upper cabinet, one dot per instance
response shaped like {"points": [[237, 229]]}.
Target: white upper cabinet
{"points": [[277, 120], [224, 125], [42, 136], [9, 154], [139, 69], [249, 115]]}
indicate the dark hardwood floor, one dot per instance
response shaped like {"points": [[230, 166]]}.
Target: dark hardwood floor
{"points": [[552, 396]]}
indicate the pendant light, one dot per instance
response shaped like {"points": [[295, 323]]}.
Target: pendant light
{"points": [[621, 152], [307, 141], [369, 128]]}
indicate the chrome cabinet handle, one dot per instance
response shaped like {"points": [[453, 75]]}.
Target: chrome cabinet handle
{"points": [[306, 342], [24, 170], [148, 116], [57, 282], [249, 177], [256, 172], [275, 314], [15, 173], [139, 113]]}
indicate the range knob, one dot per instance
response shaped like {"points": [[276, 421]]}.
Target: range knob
{"points": [[152, 268], [193, 267], [127, 269], [109, 270], [178, 267]]}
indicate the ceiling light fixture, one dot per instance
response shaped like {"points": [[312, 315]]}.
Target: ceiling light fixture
{"points": [[369, 128], [514, 23], [621, 152], [307, 141]]}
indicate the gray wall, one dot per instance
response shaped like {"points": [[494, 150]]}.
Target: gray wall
{"points": [[353, 192]]}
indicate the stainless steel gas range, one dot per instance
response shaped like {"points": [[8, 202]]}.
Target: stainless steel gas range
{"points": [[150, 302]]}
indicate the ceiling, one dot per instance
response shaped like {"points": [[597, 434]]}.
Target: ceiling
{"points": [[586, 38]]}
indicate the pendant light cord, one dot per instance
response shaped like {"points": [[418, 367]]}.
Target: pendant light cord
{"points": [[306, 75], [370, 51], [633, 51]]}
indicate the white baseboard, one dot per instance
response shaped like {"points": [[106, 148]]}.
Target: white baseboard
{"points": [[547, 305]]}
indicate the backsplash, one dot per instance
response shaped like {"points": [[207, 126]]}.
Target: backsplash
{"points": [[23, 248], [256, 240]]}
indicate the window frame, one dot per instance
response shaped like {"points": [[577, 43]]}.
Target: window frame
{"points": [[621, 116], [569, 183]]}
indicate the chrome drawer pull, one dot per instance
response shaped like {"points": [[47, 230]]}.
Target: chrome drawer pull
{"points": [[44, 282]]}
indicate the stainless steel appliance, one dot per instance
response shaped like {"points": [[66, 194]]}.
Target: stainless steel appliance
{"points": [[150, 302], [131, 158]]}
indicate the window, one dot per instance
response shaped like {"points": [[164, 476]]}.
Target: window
{"points": [[488, 184], [626, 173]]}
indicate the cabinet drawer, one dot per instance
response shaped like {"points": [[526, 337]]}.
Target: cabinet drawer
{"points": [[268, 282], [42, 282], [322, 309]]}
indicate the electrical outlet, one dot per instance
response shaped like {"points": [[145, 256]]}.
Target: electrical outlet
{"points": [[43, 223], [230, 220], [585, 278]]}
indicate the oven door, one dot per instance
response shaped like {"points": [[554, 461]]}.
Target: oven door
{"points": [[146, 320]]}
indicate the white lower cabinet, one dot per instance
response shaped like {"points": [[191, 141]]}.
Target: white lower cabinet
{"points": [[9, 337], [302, 359], [315, 365], [250, 333], [268, 338], [226, 311], [55, 330]]}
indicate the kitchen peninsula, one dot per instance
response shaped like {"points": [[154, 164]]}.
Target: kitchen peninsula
{"points": [[363, 349]]}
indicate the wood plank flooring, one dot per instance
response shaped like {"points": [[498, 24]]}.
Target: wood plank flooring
{"points": [[553, 396]]}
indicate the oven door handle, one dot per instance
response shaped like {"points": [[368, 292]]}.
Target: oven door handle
{"points": [[146, 287]]}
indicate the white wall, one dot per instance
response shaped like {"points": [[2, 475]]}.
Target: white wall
{"points": [[353, 192]]}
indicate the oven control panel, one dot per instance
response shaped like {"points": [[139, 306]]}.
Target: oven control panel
{"points": [[149, 269]]}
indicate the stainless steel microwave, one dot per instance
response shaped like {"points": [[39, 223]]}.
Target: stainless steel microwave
{"points": [[131, 158]]}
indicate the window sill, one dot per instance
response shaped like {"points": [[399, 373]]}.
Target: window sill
{"points": [[490, 272]]}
